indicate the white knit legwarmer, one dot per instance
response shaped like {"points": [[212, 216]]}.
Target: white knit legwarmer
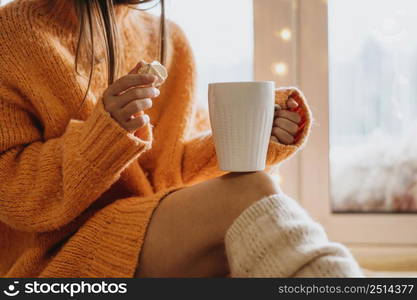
{"points": [[275, 237]]}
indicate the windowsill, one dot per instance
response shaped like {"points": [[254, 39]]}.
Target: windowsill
{"points": [[389, 274], [386, 260]]}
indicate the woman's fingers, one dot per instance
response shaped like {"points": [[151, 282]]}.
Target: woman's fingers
{"points": [[130, 96], [129, 81], [136, 123], [135, 107], [136, 94], [291, 103], [283, 136], [136, 69], [132, 103], [287, 125], [292, 116]]}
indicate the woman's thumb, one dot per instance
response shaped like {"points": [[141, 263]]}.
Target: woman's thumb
{"points": [[136, 69]]}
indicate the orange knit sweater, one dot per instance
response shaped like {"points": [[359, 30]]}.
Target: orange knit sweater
{"points": [[76, 190]]}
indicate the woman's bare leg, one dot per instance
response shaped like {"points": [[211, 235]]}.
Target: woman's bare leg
{"points": [[186, 234]]}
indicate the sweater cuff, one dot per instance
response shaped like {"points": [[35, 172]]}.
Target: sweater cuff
{"points": [[106, 145]]}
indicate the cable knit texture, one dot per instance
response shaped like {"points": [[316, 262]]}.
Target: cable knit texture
{"points": [[77, 191], [275, 237]]}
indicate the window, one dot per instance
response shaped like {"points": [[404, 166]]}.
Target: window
{"points": [[221, 35], [373, 105], [331, 37]]}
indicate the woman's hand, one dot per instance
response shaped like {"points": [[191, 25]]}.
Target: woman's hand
{"points": [[286, 123], [128, 97]]}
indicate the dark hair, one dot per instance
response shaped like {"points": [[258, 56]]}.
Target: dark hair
{"points": [[97, 19]]}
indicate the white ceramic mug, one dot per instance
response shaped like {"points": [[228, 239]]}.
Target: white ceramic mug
{"points": [[241, 116]]}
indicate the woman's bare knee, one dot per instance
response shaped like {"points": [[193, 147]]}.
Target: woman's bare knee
{"points": [[254, 184], [259, 180], [244, 189]]}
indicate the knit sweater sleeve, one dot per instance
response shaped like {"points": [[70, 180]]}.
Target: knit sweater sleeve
{"points": [[200, 159], [45, 184], [275, 237]]}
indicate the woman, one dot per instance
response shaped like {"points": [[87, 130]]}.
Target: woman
{"points": [[81, 182]]}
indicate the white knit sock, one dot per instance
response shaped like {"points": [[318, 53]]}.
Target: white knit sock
{"points": [[275, 237]]}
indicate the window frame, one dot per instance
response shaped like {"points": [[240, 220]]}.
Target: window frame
{"points": [[306, 178], [271, 16]]}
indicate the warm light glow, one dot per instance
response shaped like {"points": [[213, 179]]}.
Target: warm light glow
{"points": [[280, 68], [285, 34]]}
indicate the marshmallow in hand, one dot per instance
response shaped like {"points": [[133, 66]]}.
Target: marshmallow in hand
{"points": [[154, 68]]}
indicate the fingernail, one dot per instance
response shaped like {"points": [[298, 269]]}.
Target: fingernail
{"points": [[156, 91], [146, 119]]}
